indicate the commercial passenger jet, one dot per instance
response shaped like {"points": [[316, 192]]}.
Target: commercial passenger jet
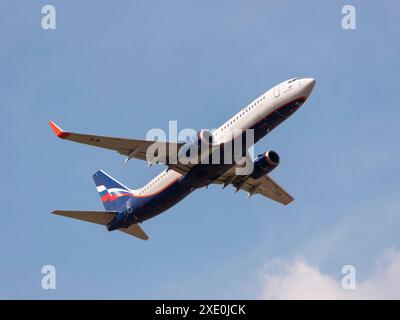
{"points": [[127, 208]]}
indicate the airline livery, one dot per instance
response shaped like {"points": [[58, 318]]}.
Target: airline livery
{"points": [[192, 164]]}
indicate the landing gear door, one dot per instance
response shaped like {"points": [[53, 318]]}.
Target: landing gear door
{"points": [[276, 91]]}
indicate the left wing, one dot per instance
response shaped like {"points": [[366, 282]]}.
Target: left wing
{"points": [[264, 186], [131, 148]]}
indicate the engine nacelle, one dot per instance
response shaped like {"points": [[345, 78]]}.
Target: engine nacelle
{"points": [[205, 137], [264, 164], [198, 147]]}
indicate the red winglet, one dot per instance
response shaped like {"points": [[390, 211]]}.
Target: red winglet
{"points": [[57, 130]]}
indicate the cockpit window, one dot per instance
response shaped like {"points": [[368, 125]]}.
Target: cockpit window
{"points": [[293, 80]]}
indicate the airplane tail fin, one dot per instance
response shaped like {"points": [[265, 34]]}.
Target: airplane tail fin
{"points": [[112, 193]]}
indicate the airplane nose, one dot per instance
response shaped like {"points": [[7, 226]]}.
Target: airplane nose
{"points": [[308, 85]]}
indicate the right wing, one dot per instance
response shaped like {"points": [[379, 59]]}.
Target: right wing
{"points": [[131, 148], [268, 188], [264, 186]]}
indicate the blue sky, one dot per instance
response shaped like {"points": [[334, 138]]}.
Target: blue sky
{"points": [[121, 68]]}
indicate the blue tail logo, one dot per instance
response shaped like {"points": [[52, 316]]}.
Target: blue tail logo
{"points": [[112, 193]]}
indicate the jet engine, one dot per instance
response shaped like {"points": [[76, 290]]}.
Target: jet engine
{"points": [[205, 137], [198, 147], [264, 164]]}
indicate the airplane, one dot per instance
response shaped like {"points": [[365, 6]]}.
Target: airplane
{"points": [[127, 208]]}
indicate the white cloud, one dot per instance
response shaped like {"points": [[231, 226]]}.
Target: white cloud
{"points": [[299, 280]]}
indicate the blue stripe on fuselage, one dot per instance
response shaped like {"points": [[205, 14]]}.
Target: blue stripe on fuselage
{"points": [[145, 208]]}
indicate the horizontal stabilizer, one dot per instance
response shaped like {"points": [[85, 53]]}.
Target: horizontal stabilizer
{"points": [[136, 231], [103, 218], [99, 217]]}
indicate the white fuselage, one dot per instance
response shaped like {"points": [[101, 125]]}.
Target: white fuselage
{"points": [[246, 118]]}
